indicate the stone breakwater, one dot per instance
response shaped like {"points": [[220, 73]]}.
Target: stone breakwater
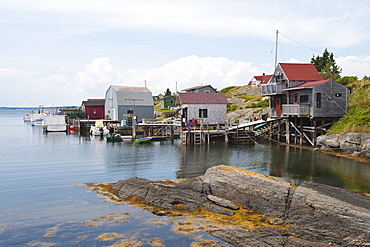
{"points": [[314, 214], [354, 144]]}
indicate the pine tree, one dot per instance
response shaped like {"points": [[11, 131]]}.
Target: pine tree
{"points": [[168, 92], [326, 65]]}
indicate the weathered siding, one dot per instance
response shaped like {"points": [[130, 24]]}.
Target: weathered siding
{"points": [[216, 113], [330, 108]]}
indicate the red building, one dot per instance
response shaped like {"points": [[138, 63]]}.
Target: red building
{"points": [[93, 108]]}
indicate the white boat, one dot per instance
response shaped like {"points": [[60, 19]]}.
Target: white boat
{"points": [[38, 117], [27, 117], [99, 129], [54, 123]]}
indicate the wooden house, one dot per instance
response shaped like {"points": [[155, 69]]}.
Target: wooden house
{"points": [[298, 89], [122, 100], [200, 89], [168, 102], [306, 103], [209, 108], [316, 99], [260, 80], [93, 108]]}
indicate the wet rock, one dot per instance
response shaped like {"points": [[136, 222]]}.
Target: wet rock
{"points": [[222, 202], [317, 215], [354, 144]]}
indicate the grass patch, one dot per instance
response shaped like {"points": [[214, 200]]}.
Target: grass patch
{"points": [[262, 103], [357, 118]]}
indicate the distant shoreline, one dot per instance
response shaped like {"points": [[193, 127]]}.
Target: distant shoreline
{"points": [[34, 107]]}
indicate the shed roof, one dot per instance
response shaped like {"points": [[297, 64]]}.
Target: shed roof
{"points": [[129, 89], [201, 98], [308, 84], [300, 71], [94, 102], [197, 87]]}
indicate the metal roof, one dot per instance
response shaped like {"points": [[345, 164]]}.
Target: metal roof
{"points": [[201, 98]]}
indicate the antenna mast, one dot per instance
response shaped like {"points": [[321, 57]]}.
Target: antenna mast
{"points": [[276, 47]]}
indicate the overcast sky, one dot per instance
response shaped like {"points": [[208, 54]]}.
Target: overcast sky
{"points": [[62, 52]]}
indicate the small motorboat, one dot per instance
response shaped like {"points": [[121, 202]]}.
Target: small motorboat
{"points": [[99, 129], [143, 140], [113, 137]]}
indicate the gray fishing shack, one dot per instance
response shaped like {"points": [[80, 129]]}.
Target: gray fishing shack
{"points": [[125, 100]]}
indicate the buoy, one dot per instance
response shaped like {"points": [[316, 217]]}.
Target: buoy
{"points": [[71, 127]]}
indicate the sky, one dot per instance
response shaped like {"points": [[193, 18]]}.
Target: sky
{"points": [[62, 52]]}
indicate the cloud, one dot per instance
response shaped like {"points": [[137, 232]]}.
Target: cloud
{"points": [[354, 65], [325, 24], [32, 89]]}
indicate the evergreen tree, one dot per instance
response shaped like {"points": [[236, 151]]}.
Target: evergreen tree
{"points": [[167, 93], [327, 66]]}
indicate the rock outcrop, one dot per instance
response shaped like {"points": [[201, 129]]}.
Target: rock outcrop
{"points": [[354, 144], [319, 215]]}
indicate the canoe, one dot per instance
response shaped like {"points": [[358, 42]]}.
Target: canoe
{"points": [[259, 126], [143, 140]]}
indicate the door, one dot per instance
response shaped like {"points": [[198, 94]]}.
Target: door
{"points": [[278, 106]]}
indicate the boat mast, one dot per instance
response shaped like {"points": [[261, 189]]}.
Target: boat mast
{"points": [[276, 47]]}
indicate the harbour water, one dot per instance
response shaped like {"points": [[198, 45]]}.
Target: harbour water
{"points": [[43, 200]]}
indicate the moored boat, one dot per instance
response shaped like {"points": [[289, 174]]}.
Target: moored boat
{"points": [[143, 140], [54, 123], [114, 137], [99, 129]]}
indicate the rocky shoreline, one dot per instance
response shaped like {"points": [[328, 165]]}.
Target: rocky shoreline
{"points": [[306, 215], [353, 144]]}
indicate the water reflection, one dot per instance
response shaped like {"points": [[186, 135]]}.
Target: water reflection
{"points": [[304, 165]]}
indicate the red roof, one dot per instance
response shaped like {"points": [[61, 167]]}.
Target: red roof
{"points": [[264, 79], [300, 71], [311, 83], [202, 98]]}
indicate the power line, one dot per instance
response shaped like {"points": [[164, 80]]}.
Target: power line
{"points": [[300, 43]]}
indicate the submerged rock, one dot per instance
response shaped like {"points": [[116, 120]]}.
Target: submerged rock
{"points": [[318, 215]]}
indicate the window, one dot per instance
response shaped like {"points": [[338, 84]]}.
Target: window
{"points": [[207, 91], [318, 100], [295, 98], [130, 111], [303, 99], [94, 112], [338, 95], [203, 113]]}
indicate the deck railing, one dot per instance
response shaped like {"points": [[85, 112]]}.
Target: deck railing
{"points": [[272, 88], [295, 109]]}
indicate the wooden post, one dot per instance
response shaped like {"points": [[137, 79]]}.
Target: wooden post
{"points": [[271, 129], [278, 131], [134, 127], [314, 132], [287, 131], [301, 136]]}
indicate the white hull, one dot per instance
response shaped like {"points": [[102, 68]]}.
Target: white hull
{"points": [[95, 131], [56, 123]]}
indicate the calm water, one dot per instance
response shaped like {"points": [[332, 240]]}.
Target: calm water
{"points": [[43, 201]]}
